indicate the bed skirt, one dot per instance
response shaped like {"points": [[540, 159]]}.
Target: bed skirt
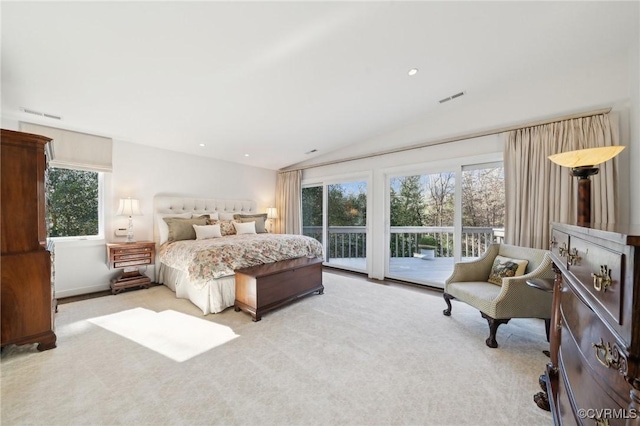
{"points": [[214, 297]]}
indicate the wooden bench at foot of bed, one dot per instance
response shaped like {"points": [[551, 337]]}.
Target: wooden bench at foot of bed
{"points": [[262, 288]]}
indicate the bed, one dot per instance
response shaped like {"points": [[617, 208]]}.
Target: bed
{"points": [[202, 270]]}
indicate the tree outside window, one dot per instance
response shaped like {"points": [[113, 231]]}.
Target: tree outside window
{"points": [[72, 202]]}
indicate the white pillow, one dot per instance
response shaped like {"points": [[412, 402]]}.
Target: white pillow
{"points": [[225, 216], [207, 231], [163, 228], [245, 228]]}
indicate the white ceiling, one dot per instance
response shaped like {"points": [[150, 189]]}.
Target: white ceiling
{"points": [[277, 79]]}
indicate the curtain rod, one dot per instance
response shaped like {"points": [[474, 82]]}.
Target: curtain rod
{"points": [[455, 139]]}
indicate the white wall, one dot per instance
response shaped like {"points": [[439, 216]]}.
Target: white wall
{"points": [[142, 172]]}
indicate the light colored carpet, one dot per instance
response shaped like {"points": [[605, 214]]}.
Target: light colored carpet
{"points": [[361, 354], [173, 334]]}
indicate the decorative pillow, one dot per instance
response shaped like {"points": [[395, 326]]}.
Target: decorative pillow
{"points": [[506, 267], [226, 226], [207, 231], [182, 229], [163, 228], [259, 219], [225, 216], [245, 228]]}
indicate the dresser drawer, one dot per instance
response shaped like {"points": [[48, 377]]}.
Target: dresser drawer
{"points": [[132, 263], [581, 330], [598, 260], [588, 395], [123, 251], [132, 256]]}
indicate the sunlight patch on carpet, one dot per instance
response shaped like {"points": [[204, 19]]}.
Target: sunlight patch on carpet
{"points": [[173, 334]]}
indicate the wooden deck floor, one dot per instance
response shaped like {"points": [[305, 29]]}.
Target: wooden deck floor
{"points": [[432, 272]]}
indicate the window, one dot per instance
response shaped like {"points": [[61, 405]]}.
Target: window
{"points": [[77, 162], [73, 202]]}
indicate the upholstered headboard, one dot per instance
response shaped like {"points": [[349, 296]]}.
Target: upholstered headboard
{"points": [[178, 205]]}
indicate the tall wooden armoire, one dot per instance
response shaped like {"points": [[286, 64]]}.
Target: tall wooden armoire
{"points": [[27, 299]]}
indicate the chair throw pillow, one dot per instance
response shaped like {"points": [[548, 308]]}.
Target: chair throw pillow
{"points": [[506, 267]]}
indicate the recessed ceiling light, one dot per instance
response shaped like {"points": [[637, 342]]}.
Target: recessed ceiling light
{"points": [[413, 71], [246, 155], [202, 144]]}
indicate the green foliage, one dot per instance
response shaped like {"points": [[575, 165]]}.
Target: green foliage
{"points": [[312, 206], [72, 202], [408, 206], [428, 240], [347, 209]]}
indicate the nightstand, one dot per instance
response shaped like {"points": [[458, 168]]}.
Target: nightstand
{"points": [[130, 256]]}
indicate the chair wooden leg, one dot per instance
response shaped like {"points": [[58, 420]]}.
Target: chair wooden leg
{"points": [[493, 329], [447, 298]]}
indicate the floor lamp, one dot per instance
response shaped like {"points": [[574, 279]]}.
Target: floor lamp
{"points": [[582, 163]]}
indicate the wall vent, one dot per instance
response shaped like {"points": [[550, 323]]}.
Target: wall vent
{"points": [[457, 95], [40, 114]]}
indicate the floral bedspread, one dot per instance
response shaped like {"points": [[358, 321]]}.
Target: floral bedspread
{"points": [[205, 260]]}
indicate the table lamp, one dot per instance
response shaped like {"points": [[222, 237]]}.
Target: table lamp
{"points": [[129, 207], [272, 213], [582, 163]]}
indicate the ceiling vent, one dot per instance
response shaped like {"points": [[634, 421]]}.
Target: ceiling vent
{"points": [[40, 114], [457, 95]]}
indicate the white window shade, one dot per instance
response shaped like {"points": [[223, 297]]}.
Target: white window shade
{"points": [[74, 150]]}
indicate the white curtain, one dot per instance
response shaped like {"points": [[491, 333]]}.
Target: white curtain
{"points": [[539, 192], [289, 202]]}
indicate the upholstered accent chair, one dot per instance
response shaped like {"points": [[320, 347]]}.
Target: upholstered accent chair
{"points": [[512, 297]]}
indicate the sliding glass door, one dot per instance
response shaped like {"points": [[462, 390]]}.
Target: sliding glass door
{"points": [[312, 212], [347, 225], [436, 219], [336, 215], [421, 218], [482, 208]]}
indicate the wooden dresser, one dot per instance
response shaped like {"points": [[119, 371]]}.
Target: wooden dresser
{"points": [[27, 314], [596, 379]]}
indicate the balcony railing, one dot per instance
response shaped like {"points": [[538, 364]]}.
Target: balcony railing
{"points": [[351, 241]]}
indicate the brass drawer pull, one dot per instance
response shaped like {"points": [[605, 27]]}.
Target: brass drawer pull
{"points": [[574, 259], [606, 355], [602, 280], [563, 251]]}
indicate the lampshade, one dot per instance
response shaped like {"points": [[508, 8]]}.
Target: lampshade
{"points": [[586, 157], [129, 207], [272, 213]]}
